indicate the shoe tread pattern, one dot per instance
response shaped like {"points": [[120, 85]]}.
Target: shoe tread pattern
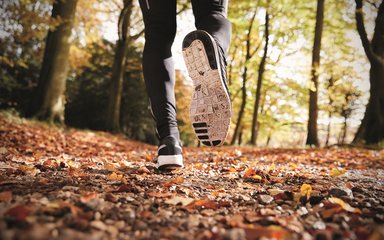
{"points": [[210, 110]]}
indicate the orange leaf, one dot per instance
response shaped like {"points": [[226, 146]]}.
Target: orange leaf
{"points": [[215, 194], [204, 203], [250, 172], [177, 180], [115, 176], [5, 196], [88, 196]]}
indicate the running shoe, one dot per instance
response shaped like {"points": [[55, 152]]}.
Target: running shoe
{"points": [[210, 109]]}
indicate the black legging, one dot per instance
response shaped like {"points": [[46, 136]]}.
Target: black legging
{"points": [[160, 30]]}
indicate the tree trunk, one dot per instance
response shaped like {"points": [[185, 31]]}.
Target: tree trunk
{"points": [[259, 81], [242, 107], [330, 85], [312, 138], [371, 130], [268, 139], [240, 141], [328, 128], [248, 56], [49, 103], [119, 65], [345, 128]]}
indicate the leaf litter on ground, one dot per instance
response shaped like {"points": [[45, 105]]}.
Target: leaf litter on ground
{"points": [[71, 184]]}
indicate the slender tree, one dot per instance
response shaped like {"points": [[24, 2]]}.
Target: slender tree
{"points": [[260, 80], [49, 101], [118, 69], [312, 138], [125, 40], [371, 130], [330, 109], [248, 56]]}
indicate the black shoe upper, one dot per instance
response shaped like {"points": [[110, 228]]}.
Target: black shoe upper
{"points": [[223, 65], [169, 146]]}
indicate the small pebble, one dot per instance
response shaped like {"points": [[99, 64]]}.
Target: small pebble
{"points": [[265, 199], [319, 225]]}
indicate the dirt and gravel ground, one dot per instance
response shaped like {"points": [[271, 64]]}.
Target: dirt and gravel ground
{"points": [[71, 184]]}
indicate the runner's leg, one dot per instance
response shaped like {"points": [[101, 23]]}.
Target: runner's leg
{"points": [[158, 67], [211, 16]]}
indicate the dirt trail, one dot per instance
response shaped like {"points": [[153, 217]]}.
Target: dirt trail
{"points": [[71, 184]]}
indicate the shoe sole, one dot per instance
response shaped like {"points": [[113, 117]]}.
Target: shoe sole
{"points": [[169, 161], [210, 110]]}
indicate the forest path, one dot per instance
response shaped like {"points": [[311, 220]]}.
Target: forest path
{"points": [[72, 184]]}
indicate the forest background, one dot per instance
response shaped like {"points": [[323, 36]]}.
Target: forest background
{"points": [[300, 72]]}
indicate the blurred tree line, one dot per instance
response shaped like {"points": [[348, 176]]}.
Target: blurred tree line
{"points": [[57, 65]]}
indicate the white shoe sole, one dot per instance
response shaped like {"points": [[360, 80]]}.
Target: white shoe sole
{"points": [[169, 160], [210, 110]]}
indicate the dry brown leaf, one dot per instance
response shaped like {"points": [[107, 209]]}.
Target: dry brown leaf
{"points": [[5, 196], [18, 212], [183, 201], [143, 170], [31, 170], [270, 232], [160, 194]]}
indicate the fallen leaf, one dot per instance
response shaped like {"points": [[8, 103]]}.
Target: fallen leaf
{"points": [[337, 172], [249, 172], [344, 205], [160, 194], [204, 203], [5, 196], [3, 150], [18, 212], [89, 196], [52, 164], [115, 176], [305, 190], [270, 232], [272, 167], [143, 170], [183, 201], [216, 194], [110, 167], [177, 180], [31, 170]]}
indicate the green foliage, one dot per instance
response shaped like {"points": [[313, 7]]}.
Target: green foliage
{"points": [[23, 26], [87, 96]]}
